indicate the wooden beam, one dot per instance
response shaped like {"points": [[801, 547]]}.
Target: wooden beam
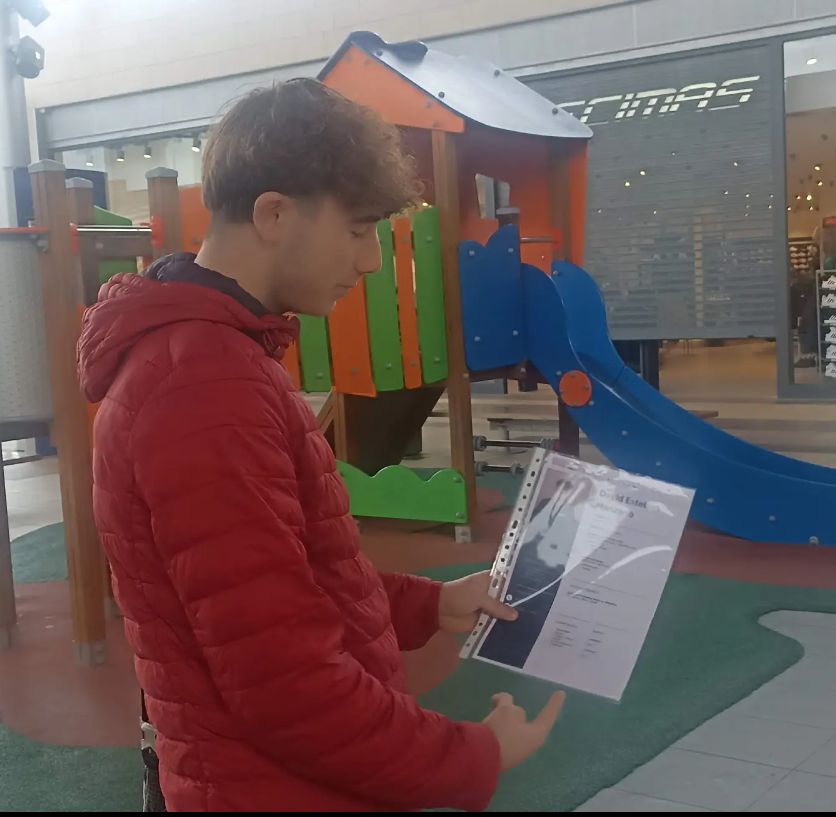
{"points": [[560, 201], [8, 611], [164, 203], [80, 203], [559, 183], [106, 246], [83, 212], [61, 284], [446, 187]]}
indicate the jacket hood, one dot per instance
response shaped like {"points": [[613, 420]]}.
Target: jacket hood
{"points": [[173, 290]]}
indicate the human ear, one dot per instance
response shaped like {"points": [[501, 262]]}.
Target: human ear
{"points": [[270, 211]]}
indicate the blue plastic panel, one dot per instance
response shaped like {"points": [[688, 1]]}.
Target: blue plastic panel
{"points": [[643, 436], [492, 314], [587, 328]]}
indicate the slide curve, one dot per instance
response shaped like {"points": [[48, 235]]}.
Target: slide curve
{"points": [[741, 489]]}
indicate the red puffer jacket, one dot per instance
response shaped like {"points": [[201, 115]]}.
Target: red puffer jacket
{"points": [[267, 645]]}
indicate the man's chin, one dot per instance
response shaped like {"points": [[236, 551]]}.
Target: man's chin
{"points": [[320, 310]]}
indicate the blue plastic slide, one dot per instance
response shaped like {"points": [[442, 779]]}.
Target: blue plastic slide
{"points": [[742, 489]]}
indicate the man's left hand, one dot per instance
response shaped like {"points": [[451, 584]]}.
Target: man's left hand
{"points": [[464, 599]]}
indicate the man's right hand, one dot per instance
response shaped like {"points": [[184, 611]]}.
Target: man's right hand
{"points": [[518, 739]]}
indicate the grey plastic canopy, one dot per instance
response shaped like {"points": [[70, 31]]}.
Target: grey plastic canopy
{"points": [[473, 89]]}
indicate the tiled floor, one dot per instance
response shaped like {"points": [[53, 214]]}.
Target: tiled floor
{"points": [[33, 494], [773, 752]]}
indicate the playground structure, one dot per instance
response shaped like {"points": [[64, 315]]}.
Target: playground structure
{"points": [[397, 342], [514, 311], [76, 245]]}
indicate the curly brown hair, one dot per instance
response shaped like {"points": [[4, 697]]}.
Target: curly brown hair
{"points": [[306, 141]]}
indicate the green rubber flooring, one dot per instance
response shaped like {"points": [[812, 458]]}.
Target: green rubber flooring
{"points": [[38, 777], [705, 652]]}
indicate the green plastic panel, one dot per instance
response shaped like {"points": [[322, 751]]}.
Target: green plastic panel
{"points": [[429, 294], [397, 492], [382, 312], [107, 269], [314, 355]]}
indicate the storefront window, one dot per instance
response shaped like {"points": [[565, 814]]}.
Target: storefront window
{"points": [[679, 224], [124, 166], [810, 106]]}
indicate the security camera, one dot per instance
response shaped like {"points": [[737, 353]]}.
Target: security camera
{"points": [[28, 58], [34, 11]]}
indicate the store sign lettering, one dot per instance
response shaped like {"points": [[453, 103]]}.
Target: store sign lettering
{"points": [[702, 96]]}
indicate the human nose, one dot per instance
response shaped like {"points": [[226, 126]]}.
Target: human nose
{"points": [[370, 259]]}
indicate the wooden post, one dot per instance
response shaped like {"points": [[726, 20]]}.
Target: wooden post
{"points": [[82, 211], [8, 611], [80, 202], [559, 199], [60, 279], [164, 204], [446, 185]]}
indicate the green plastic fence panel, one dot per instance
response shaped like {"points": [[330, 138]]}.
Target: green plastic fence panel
{"points": [[429, 294], [398, 492], [107, 269], [314, 355], [382, 313]]}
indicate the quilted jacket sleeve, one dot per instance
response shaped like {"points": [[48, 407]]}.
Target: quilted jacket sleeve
{"points": [[212, 464], [414, 604]]}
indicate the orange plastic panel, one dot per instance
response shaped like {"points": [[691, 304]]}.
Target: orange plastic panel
{"points": [[291, 363], [194, 216], [575, 389], [351, 358], [577, 202], [404, 272], [368, 82], [522, 162]]}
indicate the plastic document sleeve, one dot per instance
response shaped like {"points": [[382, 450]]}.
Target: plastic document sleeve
{"points": [[584, 560]]}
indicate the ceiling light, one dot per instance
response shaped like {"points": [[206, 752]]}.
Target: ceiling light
{"points": [[654, 212], [147, 153], [642, 173], [737, 164], [798, 197], [817, 167], [812, 61], [811, 208], [809, 197], [89, 161], [725, 192], [819, 183], [747, 195], [789, 209], [626, 184], [196, 144], [120, 155]]}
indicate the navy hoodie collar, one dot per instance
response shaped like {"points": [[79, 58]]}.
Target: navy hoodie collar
{"points": [[181, 267]]}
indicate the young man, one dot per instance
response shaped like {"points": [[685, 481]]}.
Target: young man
{"points": [[267, 646]]}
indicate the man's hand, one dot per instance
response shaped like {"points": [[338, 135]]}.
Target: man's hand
{"points": [[518, 739], [463, 600]]}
